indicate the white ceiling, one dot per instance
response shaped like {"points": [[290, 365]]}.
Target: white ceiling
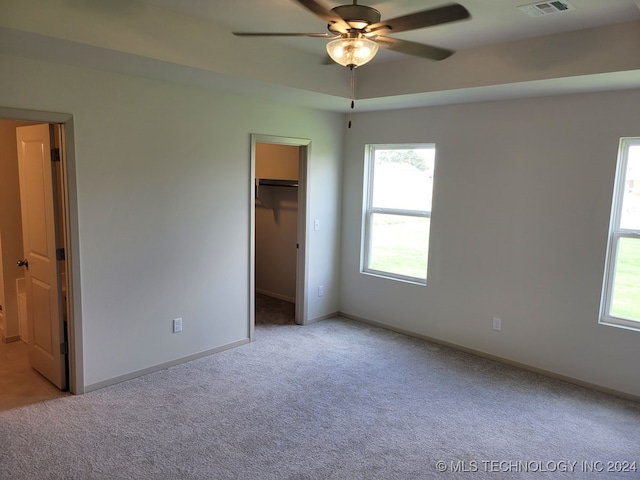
{"points": [[491, 21], [501, 51]]}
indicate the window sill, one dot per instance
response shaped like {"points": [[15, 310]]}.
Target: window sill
{"points": [[387, 276], [620, 323]]}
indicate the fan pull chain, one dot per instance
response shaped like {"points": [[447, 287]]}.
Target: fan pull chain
{"points": [[352, 92]]}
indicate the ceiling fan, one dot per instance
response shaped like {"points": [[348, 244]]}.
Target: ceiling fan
{"points": [[357, 31]]}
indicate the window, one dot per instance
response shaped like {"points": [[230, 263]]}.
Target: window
{"points": [[621, 292], [397, 213]]}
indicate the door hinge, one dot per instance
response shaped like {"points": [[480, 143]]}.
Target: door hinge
{"points": [[64, 348], [55, 154], [60, 254]]}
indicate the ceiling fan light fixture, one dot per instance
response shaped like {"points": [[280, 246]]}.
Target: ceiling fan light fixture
{"points": [[352, 52]]}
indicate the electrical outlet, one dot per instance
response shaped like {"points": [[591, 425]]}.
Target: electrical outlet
{"points": [[321, 291], [497, 324], [177, 325], [316, 224]]}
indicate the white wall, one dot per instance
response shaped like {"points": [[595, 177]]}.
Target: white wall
{"points": [[277, 161], [163, 185], [276, 235], [520, 215], [519, 231]]}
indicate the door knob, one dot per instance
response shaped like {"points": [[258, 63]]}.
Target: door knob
{"points": [[23, 263]]}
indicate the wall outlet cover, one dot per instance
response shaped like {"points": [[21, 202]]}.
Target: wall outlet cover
{"points": [[177, 325], [497, 324]]}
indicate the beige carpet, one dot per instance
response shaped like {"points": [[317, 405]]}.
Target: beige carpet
{"points": [[21, 385], [333, 400]]}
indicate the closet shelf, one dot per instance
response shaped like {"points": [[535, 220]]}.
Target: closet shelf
{"points": [[272, 182], [271, 197]]}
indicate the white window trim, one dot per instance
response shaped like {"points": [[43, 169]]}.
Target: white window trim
{"points": [[368, 212], [615, 234]]}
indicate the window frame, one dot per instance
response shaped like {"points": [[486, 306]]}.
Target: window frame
{"points": [[616, 232], [368, 212]]}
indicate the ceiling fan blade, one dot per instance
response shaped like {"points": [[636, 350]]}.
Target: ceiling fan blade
{"points": [[283, 34], [413, 48], [336, 21], [426, 18]]}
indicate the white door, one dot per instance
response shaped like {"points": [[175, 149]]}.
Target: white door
{"points": [[39, 231]]}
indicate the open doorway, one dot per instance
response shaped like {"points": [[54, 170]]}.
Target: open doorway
{"points": [[13, 257], [278, 256]]}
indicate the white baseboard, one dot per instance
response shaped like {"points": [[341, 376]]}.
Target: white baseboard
{"points": [[495, 358], [162, 366], [323, 317], [275, 295]]}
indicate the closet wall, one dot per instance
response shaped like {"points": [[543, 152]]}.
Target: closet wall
{"points": [[276, 217]]}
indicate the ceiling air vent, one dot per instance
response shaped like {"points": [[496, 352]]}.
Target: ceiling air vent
{"points": [[545, 8]]}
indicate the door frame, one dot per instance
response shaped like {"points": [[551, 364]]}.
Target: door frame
{"points": [[302, 257], [69, 194]]}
